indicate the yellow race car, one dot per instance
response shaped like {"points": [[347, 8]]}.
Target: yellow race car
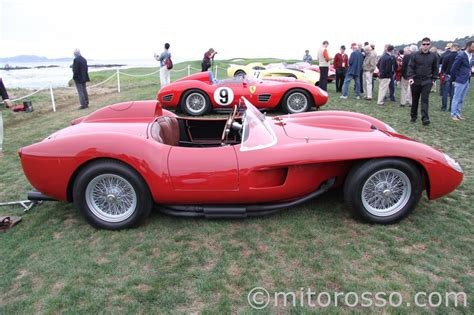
{"points": [[273, 71]]}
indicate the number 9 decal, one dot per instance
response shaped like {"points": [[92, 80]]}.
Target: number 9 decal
{"points": [[223, 96]]}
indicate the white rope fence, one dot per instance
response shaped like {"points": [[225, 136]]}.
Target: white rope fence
{"points": [[26, 96], [116, 74], [105, 81], [138, 75]]}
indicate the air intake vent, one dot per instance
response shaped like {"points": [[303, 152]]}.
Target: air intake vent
{"points": [[167, 98], [264, 97]]}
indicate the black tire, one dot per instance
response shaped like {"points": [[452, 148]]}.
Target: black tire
{"points": [[199, 96], [91, 179], [239, 73], [407, 178], [293, 108]]}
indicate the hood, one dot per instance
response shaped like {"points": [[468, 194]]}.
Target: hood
{"points": [[328, 127]]}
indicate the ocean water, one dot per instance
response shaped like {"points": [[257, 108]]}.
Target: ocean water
{"points": [[58, 76]]}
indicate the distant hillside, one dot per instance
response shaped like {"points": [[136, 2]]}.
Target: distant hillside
{"points": [[441, 44], [31, 58]]}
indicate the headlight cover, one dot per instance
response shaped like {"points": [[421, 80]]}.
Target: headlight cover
{"points": [[452, 162]]}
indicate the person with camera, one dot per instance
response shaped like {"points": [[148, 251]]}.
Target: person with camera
{"points": [[208, 59], [165, 65]]}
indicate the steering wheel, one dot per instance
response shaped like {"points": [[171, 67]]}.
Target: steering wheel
{"points": [[228, 126]]}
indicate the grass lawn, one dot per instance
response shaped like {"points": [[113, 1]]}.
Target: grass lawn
{"points": [[53, 261]]}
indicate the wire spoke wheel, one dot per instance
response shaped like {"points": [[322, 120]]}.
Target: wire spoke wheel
{"points": [[297, 102], [195, 103], [386, 192], [111, 198]]}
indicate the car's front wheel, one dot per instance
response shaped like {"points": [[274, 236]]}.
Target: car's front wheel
{"points": [[296, 101], [383, 190], [111, 195], [195, 103]]}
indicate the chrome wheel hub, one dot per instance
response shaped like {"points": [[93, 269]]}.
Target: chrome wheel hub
{"points": [[386, 192], [297, 102], [111, 198], [195, 102]]}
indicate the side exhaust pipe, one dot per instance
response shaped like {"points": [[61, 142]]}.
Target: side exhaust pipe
{"points": [[37, 196]]}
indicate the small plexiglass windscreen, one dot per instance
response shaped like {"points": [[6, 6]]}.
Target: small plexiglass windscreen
{"points": [[257, 132]]}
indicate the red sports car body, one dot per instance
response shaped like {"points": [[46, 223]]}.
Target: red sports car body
{"points": [[197, 94], [119, 161]]}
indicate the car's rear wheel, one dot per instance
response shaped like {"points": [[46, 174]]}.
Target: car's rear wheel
{"points": [[111, 195], [296, 101], [383, 190], [195, 103], [240, 73]]}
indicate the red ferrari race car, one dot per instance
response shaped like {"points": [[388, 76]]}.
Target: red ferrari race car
{"points": [[197, 94], [117, 162]]}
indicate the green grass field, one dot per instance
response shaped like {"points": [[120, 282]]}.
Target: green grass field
{"points": [[54, 262]]}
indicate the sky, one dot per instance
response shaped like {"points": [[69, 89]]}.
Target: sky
{"points": [[115, 30]]}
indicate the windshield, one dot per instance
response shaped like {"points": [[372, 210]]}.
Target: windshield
{"points": [[257, 132]]}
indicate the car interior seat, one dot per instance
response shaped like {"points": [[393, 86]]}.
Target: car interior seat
{"points": [[166, 130]]}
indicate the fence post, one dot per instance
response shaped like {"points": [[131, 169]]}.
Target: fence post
{"points": [[52, 97], [118, 80], [215, 74], [189, 70]]}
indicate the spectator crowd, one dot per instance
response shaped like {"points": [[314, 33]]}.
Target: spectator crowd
{"points": [[417, 71]]}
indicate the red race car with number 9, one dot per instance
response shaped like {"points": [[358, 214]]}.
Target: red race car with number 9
{"points": [[199, 93]]}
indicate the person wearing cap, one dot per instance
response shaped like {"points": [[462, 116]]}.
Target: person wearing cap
{"points": [[81, 77], [422, 73], [353, 72], [208, 59], [307, 57], [447, 60], [447, 50], [461, 73], [341, 63], [387, 67], [323, 58]]}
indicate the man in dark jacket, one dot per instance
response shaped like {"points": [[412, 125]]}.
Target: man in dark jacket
{"points": [[461, 74], [422, 73], [387, 68], [447, 86], [80, 77], [355, 66]]}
